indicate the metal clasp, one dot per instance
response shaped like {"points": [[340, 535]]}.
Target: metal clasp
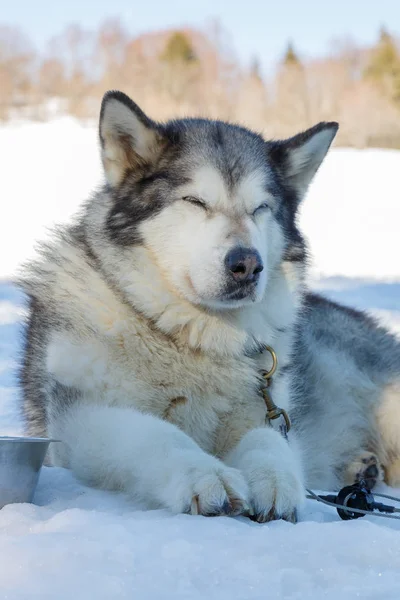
{"points": [[276, 417]]}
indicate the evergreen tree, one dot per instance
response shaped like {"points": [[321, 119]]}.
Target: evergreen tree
{"points": [[179, 49], [291, 58], [383, 68], [180, 66]]}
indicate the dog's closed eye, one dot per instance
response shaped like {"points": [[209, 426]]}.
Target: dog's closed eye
{"points": [[195, 201], [262, 207]]}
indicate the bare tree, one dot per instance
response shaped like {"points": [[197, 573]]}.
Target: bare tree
{"points": [[175, 72], [17, 63]]}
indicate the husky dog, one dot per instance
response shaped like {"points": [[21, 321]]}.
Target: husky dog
{"points": [[149, 314]]}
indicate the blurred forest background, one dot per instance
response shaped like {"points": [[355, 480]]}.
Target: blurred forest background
{"points": [[194, 71]]}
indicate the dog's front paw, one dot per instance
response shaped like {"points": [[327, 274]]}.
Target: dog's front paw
{"points": [[273, 473], [276, 488], [203, 485]]}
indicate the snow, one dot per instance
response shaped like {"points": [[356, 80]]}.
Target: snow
{"points": [[351, 215], [40, 186], [76, 542]]}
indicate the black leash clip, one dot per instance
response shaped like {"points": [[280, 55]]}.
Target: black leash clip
{"points": [[359, 497]]}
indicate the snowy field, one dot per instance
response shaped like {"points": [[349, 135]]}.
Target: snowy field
{"points": [[77, 543]]}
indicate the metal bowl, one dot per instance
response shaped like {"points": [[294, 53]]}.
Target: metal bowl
{"points": [[21, 459]]}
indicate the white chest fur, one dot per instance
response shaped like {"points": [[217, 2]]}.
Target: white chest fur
{"points": [[136, 367]]}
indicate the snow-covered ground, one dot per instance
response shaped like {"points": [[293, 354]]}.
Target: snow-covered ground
{"points": [[79, 543]]}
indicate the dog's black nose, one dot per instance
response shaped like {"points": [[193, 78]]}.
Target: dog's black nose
{"points": [[244, 264]]}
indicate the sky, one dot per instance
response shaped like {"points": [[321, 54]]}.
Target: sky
{"points": [[256, 27]]}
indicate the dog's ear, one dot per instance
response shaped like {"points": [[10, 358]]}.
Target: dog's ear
{"points": [[129, 139], [299, 157]]}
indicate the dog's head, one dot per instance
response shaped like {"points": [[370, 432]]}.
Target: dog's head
{"points": [[214, 204]]}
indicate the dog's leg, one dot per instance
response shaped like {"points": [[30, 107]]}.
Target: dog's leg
{"points": [[392, 473], [388, 424], [150, 459], [273, 473]]}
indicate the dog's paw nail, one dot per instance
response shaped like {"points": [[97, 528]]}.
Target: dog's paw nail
{"points": [[291, 517], [264, 517], [249, 511], [225, 509], [272, 515], [194, 507]]}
